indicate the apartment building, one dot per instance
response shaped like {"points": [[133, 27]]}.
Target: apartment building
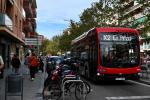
{"points": [[29, 24], [14, 14], [11, 37], [134, 16]]}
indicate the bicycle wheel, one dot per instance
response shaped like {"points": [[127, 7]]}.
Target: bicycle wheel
{"points": [[87, 87], [52, 91], [81, 90]]}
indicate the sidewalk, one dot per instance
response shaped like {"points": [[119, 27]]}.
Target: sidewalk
{"points": [[31, 89], [145, 77]]}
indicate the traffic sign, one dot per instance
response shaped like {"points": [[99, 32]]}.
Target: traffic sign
{"points": [[33, 41]]}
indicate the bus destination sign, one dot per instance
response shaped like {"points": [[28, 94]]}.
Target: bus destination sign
{"points": [[106, 37]]}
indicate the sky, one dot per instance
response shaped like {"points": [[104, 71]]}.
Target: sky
{"points": [[53, 15]]}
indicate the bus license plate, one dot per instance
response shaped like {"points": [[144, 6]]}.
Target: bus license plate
{"points": [[120, 78]]}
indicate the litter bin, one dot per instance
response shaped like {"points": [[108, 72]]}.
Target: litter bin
{"points": [[14, 85]]}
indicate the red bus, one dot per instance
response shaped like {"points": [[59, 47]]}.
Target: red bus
{"points": [[108, 53]]}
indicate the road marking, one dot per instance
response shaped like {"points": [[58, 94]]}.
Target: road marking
{"points": [[139, 83], [128, 98]]}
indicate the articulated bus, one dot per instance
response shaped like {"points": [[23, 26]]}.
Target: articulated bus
{"points": [[108, 53]]}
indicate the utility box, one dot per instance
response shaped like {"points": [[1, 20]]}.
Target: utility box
{"points": [[14, 85]]}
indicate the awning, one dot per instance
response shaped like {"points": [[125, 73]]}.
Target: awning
{"points": [[140, 20], [6, 32]]}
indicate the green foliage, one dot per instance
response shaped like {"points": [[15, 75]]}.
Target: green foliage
{"points": [[50, 46], [100, 14], [65, 42], [43, 47], [146, 11]]}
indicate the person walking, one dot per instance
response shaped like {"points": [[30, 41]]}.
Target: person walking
{"points": [[26, 63], [41, 64], [33, 65], [15, 62], [1, 67], [147, 60]]}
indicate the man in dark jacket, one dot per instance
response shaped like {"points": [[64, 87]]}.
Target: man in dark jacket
{"points": [[15, 62], [1, 67]]}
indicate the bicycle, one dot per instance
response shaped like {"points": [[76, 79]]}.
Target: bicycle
{"points": [[68, 81], [82, 90], [52, 91]]}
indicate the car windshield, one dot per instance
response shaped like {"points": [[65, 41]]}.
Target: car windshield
{"points": [[55, 59], [119, 50]]}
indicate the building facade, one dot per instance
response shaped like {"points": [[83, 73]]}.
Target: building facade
{"points": [[29, 24], [12, 28]]}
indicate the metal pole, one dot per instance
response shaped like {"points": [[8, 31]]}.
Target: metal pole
{"points": [[37, 45]]}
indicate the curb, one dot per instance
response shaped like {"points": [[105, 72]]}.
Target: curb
{"points": [[143, 81]]}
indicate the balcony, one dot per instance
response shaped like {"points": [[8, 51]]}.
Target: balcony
{"points": [[27, 7], [10, 2], [23, 36], [27, 26], [130, 1], [5, 21], [34, 14], [23, 13], [6, 28], [133, 8], [139, 15]]}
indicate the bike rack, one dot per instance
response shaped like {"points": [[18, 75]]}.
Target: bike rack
{"points": [[67, 79]]}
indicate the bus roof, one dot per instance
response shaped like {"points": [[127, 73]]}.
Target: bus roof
{"points": [[81, 36], [104, 29], [115, 29]]}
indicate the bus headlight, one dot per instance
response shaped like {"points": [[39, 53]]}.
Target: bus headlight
{"points": [[98, 74]]}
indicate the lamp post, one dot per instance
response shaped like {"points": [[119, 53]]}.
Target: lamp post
{"points": [[37, 45]]}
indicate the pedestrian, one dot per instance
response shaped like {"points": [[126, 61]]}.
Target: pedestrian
{"points": [[1, 67], [147, 60], [15, 62], [41, 64], [26, 62], [33, 65]]}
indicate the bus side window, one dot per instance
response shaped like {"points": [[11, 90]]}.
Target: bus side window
{"points": [[84, 56]]}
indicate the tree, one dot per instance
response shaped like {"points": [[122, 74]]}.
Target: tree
{"points": [[98, 15], [43, 47], [65, 42]]}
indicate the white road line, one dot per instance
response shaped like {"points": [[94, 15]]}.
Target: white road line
{"points": [[128, 97], [139, 83]]}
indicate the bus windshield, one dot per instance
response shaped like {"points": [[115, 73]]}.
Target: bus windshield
{"points": [[119, 50]]}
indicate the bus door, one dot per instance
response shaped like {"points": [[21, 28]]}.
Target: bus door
{"points": [[93, 57]]}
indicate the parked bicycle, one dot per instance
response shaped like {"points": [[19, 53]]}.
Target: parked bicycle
{"points": [[62, 80]]}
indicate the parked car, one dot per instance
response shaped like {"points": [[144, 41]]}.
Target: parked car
{"points": [[52, 61]]}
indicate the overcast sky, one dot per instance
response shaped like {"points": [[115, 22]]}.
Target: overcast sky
{"points": [[52, 15]]}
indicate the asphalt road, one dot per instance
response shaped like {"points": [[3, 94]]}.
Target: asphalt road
{"points": [[119, 90]]}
